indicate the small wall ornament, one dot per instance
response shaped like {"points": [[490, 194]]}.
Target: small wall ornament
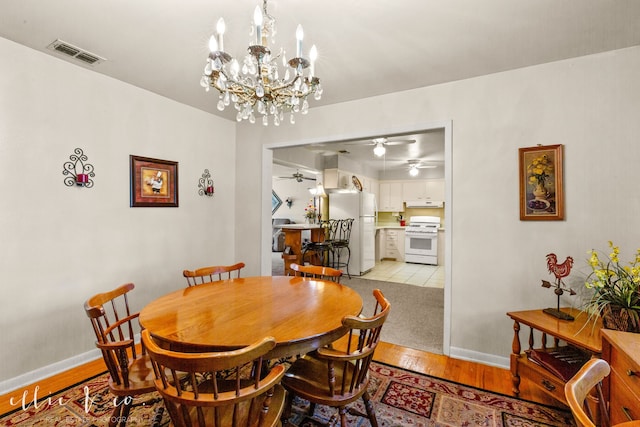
{"points": [[205, 184], [560, 271], [80, 172]]}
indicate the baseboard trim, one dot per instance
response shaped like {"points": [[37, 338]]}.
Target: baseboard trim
{"points": [[39, 374], [484, 358]]}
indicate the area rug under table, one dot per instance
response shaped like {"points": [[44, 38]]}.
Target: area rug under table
{"points": [[401, 398]]}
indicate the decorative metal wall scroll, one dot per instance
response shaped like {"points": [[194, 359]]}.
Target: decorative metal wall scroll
{"points": [[80, 172], [205, 184]]}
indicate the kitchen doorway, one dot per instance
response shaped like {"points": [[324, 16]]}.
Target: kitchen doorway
{"points": [[446, 127]]}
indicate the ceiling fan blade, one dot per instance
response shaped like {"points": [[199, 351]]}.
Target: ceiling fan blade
{"points": [[359, 143], [400, 142]]}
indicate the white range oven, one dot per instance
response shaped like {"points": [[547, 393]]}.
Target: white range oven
{"points": [[421, 240]]}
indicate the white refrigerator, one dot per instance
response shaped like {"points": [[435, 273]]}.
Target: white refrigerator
{"points": [[361, 207]]}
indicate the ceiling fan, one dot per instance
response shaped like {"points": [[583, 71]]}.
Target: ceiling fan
{"points": [[380, 144], [297, 176], [415, 165]]}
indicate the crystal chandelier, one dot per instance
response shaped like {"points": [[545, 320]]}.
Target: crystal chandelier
{"points": [[256, 86]]}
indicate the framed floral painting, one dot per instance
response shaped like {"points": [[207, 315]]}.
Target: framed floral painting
{"points": [[154, 183], [541, 188]]}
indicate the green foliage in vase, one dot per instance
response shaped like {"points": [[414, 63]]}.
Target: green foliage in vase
{"points": [[616, 286]]}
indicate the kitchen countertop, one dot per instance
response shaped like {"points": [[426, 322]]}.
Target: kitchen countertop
{"points": [[389, 225], [385, 226]]}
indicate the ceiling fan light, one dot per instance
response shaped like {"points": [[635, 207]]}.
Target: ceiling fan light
{"points": [[379, 149], [413, 171]]}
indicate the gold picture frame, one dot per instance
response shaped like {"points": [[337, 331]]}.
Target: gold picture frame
{"points": [[541, 186], [154, 182]]}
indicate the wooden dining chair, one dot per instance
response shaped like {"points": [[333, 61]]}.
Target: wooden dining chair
{"points": [[581, 392], [212, 274], [337, 375], [130, 370], [316, 271], [222, 389]]}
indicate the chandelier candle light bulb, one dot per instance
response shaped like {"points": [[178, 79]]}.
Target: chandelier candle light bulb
{"points": [[313, 55], [299, 38], [220, 27], [257, 21]]}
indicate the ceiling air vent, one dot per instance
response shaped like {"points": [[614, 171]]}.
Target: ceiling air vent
{"points": [[75, 52]]}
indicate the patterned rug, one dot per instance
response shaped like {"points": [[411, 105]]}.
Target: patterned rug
{"points": [[401, 398]]}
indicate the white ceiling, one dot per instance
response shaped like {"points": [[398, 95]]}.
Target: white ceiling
{"points": [[365, 47], [426, 149]]}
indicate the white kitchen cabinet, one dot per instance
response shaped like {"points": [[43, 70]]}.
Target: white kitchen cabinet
{"points": [[435, 189], [414, 190], [335, 178], [330, 178], [370, 185], [340, 179], [344, 180], [394, 244], [390, 197], [430, 189]]}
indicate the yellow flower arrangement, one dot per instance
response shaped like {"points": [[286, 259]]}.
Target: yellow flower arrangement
{"points": [[616, 289], [539, 170]]}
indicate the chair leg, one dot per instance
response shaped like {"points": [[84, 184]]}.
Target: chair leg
{"points": [[343, 416], [371, 413], [286, 414], [124, 416], [348, 259], [115, 415]]}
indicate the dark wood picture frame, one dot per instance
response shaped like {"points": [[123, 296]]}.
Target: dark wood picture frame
{"points": [[541, 186], [154, 182]]}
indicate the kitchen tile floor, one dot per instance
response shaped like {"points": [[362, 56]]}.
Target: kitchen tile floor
{"points": [[389, 271], [412, 274]]}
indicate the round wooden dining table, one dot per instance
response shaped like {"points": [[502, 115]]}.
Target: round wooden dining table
{"points": [[302, 314]]}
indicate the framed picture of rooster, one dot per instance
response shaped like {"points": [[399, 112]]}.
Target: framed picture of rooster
{"points": [[541, 187]]}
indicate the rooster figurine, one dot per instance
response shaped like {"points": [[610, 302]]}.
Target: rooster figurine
{"points": [[560, 271]]}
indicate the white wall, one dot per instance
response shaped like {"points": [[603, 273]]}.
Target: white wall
{"points": [[59, 244], [299, 193], [589, 104]]}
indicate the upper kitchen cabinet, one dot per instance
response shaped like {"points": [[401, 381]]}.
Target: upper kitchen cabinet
{"points": [[370, 185], [430, 189], [390, 197], [340, 179], [335, 178]]}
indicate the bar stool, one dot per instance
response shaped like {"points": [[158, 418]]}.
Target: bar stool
{"points": [[339, 238], [320, 249]]}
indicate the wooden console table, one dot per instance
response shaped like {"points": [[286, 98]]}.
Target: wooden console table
{"points": [[577, 334]]}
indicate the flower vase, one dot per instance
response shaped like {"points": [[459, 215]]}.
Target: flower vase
{"points": [[620, 319], [540, 192]]}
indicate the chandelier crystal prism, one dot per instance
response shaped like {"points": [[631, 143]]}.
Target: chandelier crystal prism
{"points": [[256, 86]]}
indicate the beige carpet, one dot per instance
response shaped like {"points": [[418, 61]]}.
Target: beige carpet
{"points": [[416, 316], [417, 313]]}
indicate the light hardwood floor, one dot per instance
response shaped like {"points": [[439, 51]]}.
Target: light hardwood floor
{"points": [[473, 374]]}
